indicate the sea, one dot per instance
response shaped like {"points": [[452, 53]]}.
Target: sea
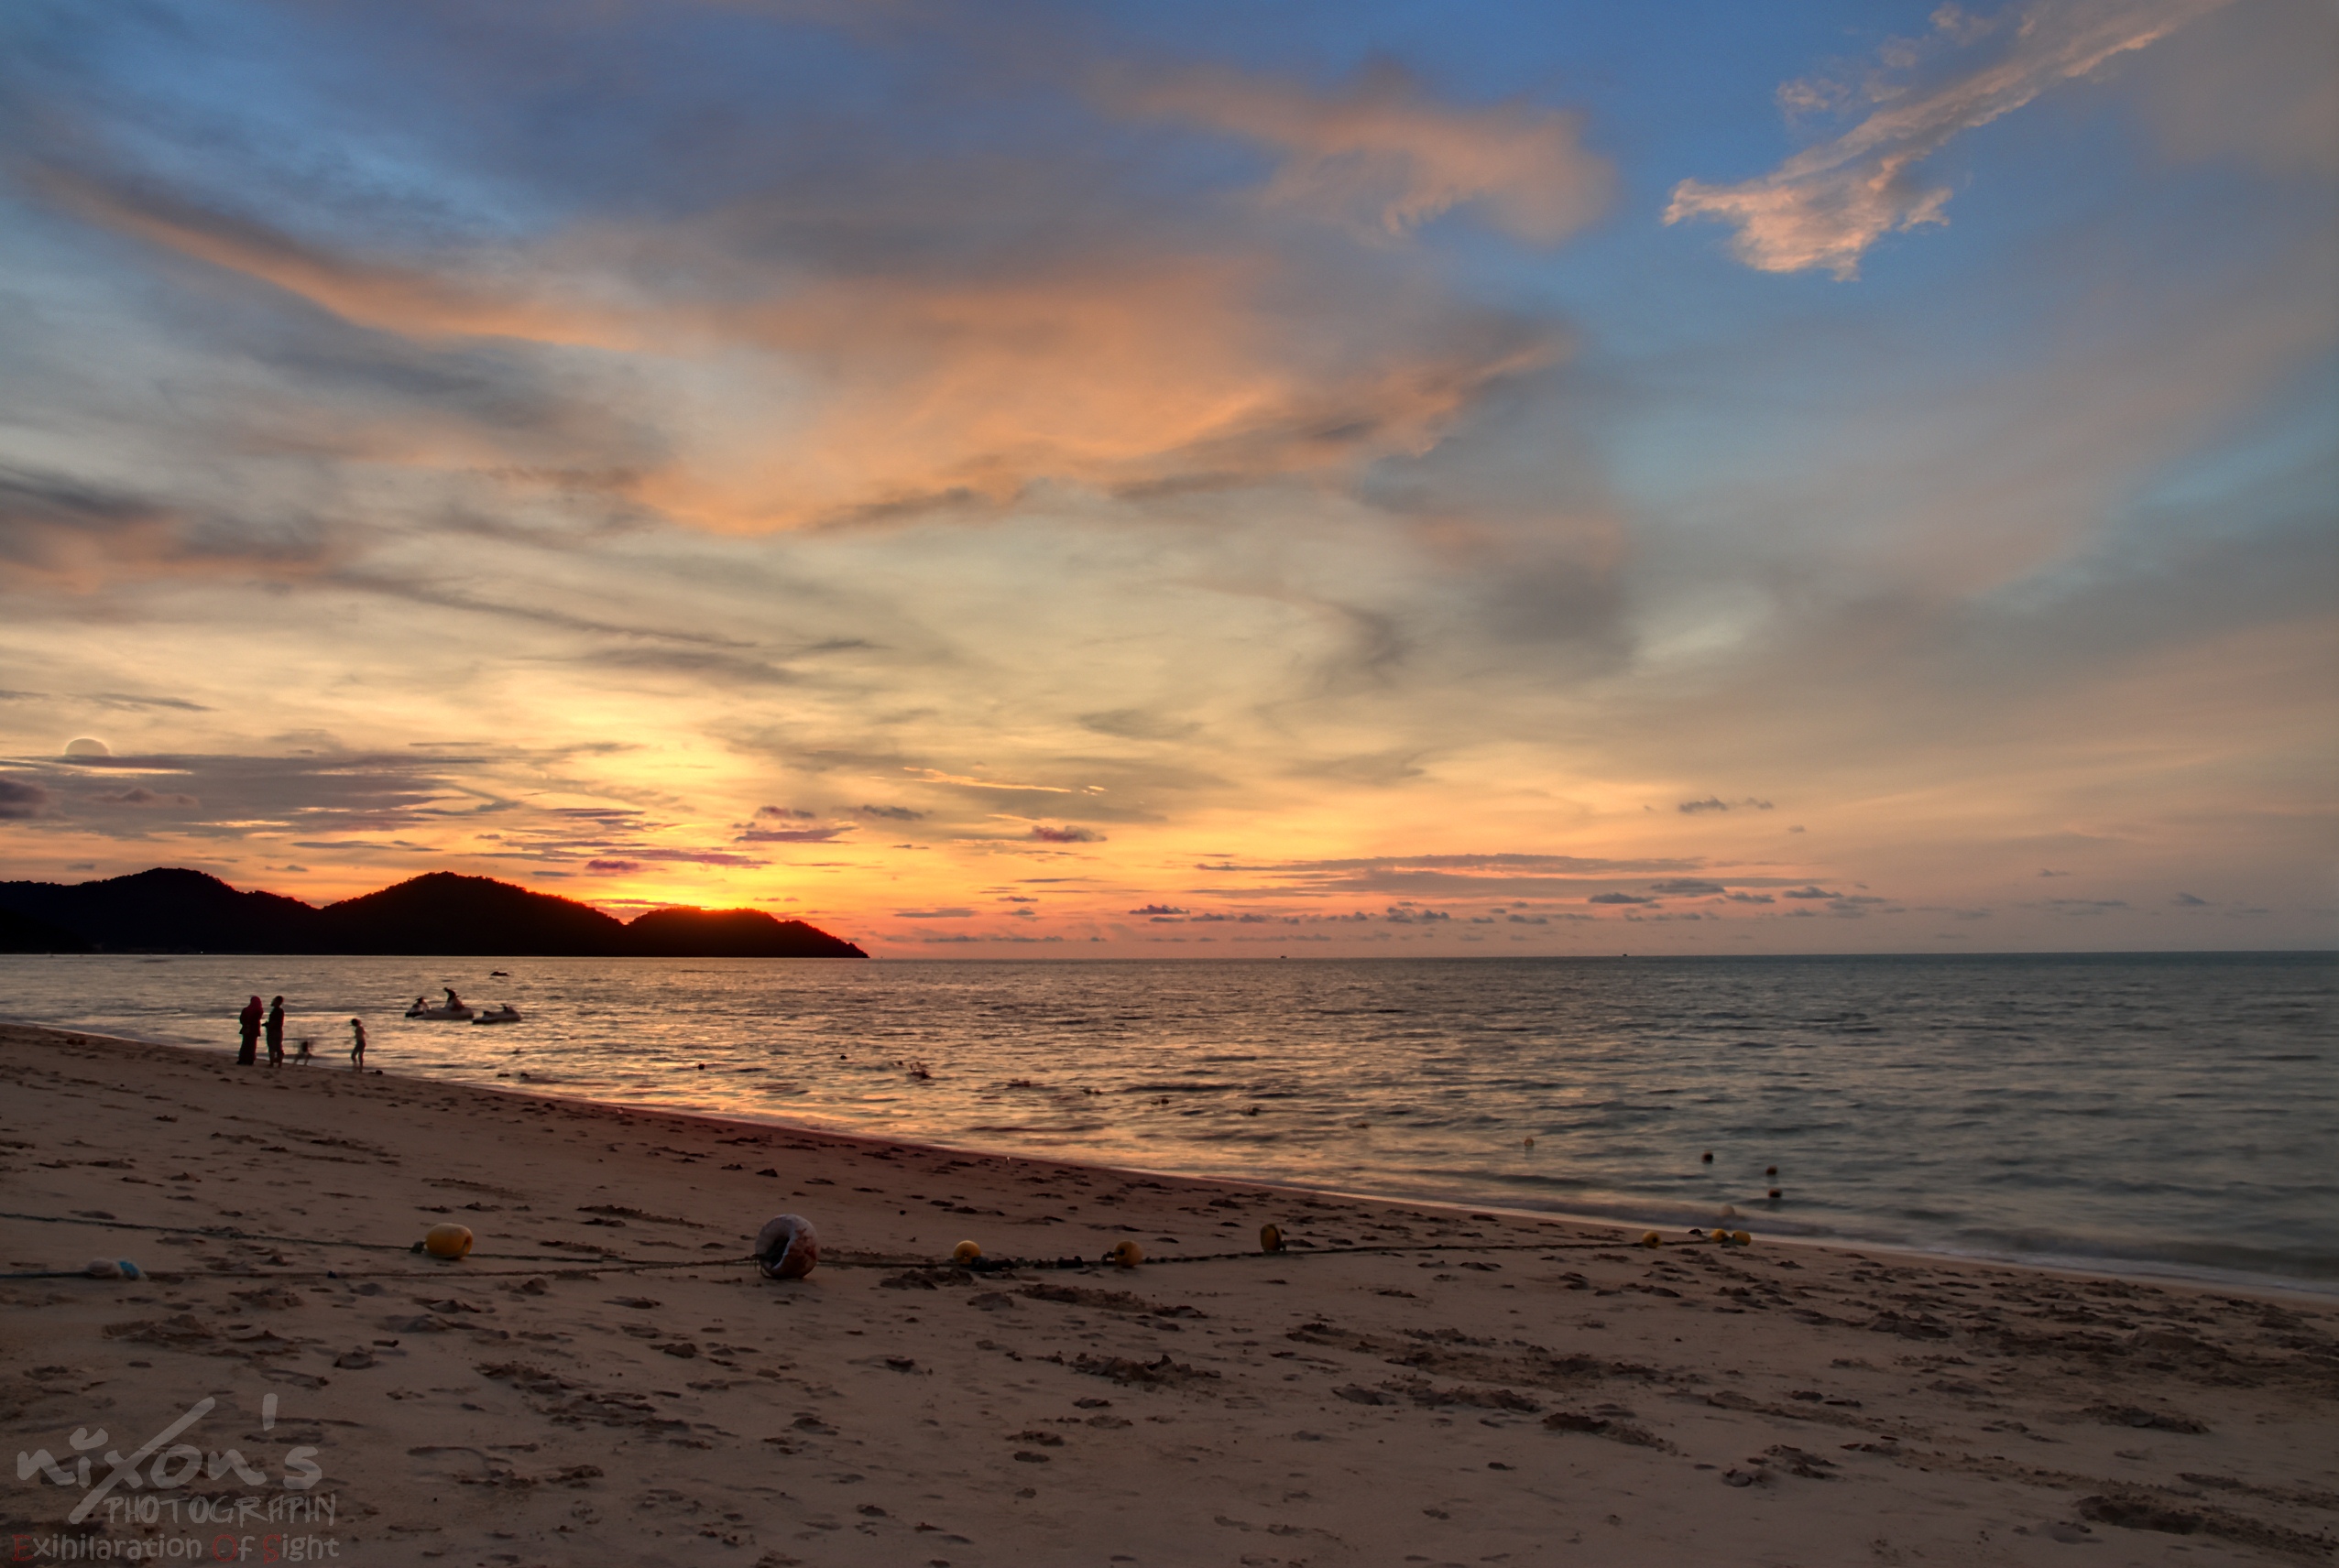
{"points": [[2142, 1114]]}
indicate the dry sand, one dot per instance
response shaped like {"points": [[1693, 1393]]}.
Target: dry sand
{"points": [[1573, 1399]]}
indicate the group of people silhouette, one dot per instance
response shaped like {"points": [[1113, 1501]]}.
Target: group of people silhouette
{"points": [[256, 1022]]}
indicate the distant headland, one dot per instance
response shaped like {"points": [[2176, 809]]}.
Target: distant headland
{"points": [[440, 914]]}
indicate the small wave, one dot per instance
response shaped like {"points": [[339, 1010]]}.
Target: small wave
{"points": [[2198, 1260], [1020, 1130]]}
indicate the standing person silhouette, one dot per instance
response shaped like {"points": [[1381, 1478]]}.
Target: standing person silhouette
{"points": [[248, 1022], [275, 1032], [356, 1045]]}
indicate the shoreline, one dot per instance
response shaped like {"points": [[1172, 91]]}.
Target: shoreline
{"points": [[2062, 1151], [1673, 1230], [1626, 1227], [1520, 1388]]}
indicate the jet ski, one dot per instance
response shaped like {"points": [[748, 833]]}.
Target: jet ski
{"points": [[506, 1014], [456, 1013]]}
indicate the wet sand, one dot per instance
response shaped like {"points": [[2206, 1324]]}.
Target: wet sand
{"points": [[1514, 1391]]}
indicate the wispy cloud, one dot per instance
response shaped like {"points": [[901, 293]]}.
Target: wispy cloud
{"points": [[788, 388], [125, 700], [1497, 863], [1826, 206], [965, 782], [140, 795], [1381, 153], [19, 800], [59, 532], [371, 293]]}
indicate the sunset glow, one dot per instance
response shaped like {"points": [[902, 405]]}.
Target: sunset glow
{"points": [[1108, 481]]}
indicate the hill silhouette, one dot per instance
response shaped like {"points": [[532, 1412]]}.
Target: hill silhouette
{"points": [[731, 933], [20, 934], [164, 910], [442, 913]]}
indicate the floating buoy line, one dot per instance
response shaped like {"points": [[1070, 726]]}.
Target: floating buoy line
{"points": [[453, 1242]]}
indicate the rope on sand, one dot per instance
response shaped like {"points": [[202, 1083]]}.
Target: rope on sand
{"points": [[616, 1265], [235, 1232], [1005, 1264]]}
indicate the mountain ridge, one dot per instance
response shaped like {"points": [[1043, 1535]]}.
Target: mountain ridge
{"points": [[440, 913]]}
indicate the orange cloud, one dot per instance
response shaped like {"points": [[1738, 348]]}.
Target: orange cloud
{"points": [[1117, 374], [1381, 153], [834, 400]]}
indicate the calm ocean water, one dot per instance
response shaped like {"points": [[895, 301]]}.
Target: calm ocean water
{"points": [[2156, 1113]]}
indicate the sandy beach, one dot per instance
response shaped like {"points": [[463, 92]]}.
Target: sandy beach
{"points": [[604, 1381]]}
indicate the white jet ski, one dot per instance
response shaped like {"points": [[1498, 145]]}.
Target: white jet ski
{"points": [[506, 1014]]}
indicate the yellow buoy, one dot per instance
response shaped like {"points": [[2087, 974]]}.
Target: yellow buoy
{"points": [[1270, 1238], [966, 1252], [1652, 1239], [1126, 1255], [1742, 1238], [447, 1241]]}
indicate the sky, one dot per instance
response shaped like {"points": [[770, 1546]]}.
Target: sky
{"points": [[1191, 479]]}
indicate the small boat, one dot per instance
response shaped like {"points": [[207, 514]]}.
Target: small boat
{"points": [[455, 1014], [506, 1014]]}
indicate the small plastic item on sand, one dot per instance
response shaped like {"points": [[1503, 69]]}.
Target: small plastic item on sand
{"points": [[787, 1247], [447, 1241], [1125, 1255], [112, 1268], [1652, 1240], [1270, 1238], [966, 1252]]}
